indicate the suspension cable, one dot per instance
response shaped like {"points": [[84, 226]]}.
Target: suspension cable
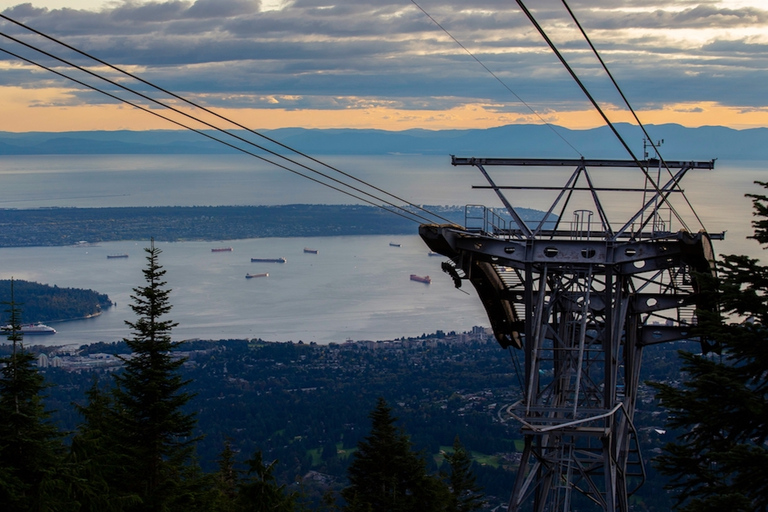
{"points": [[626, 102], [597, 107], [148, 98], [216, 114], [495, 76], [200, 132]]}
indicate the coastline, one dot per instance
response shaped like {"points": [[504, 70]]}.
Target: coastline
{"points": [[323, 298], [59, 227]]}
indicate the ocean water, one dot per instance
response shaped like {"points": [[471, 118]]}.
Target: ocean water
{"points": [[354, 288], [218, 180]]}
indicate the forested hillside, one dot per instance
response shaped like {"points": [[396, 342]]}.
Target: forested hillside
{"points": [[307, 405], [67, 226], [44, 303]]}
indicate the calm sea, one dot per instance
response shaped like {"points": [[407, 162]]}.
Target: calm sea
{"points": [[354, 288]]}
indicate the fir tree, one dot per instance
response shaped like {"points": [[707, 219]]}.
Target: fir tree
{"points": [[260, 491], [226, 480], [719, 460], [466, 495], [152, 434], [386, 475], [30, 447], [94, 457]]}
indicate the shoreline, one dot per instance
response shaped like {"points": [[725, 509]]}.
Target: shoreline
{"points": [[62, 227]]}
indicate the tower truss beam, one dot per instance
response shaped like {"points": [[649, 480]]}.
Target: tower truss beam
{"points": [[581, 302]]}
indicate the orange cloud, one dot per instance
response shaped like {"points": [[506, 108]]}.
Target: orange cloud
{"points": [[53, 110]]}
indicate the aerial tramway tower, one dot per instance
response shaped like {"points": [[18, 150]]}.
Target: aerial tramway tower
{"points": [[605, 272]]}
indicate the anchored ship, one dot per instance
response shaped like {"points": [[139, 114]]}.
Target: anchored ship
{"points": [[222, 249], [268, 260], [420, 279], [251, 276]]}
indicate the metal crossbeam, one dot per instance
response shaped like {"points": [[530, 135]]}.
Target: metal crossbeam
{"points": [[553, 162], [582, 303]]}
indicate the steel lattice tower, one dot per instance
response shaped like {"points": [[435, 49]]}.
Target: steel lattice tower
{"points": [[581, 298]]}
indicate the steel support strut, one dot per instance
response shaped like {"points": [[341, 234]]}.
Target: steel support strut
{"points": [[581, 304]]}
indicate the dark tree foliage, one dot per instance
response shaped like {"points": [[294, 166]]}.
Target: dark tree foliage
{"points": [[65, 226], [151, 433], [43, 303], [30, 447], [386, 475], [226, 480], [465, 495], [719, 460], [96, 458], [260, 492]]}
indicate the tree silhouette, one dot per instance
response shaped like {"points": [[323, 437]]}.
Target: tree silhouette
{"points": [[152, 434], [718, 461], [30, 447], [466, 495], [96, 460], [386, 475], [260, 492]]}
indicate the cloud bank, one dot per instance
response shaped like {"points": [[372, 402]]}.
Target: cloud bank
{"points": [[317, 54]]}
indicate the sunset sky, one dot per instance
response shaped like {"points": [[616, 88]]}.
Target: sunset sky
{"points": [[384, 64]]}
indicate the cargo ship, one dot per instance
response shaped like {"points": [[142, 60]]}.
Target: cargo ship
{"points": [[268, 260], [31, 329], [251, 276], [113, 256], [310, 251], [393, 244], [420, 279], [222, 249]]}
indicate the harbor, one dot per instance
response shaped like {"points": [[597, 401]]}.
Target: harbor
{"points": [[325, 297]]}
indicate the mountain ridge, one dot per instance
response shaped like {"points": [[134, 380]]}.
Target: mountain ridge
{"points": [[524, 141]]}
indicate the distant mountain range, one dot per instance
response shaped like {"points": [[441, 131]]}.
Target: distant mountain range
{"points": [[520, 141]]}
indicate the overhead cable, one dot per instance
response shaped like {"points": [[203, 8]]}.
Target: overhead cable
{"points": [[495, 76], [210, 125], [207, 135], [663, 196], [626, 102]]}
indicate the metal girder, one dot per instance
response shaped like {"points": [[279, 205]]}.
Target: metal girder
{"points": [[554, 162], [581, 303], [581, 311]]}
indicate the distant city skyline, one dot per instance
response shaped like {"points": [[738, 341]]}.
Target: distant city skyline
{"points": [[386, 65]]}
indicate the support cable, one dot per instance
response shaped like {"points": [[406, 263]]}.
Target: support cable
{"points": [[193, 104], [577, 80], [494, 75], [200, 132], [626, 102], [597, 107]]}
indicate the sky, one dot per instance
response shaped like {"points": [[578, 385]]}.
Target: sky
{"points": [[386, 64]]}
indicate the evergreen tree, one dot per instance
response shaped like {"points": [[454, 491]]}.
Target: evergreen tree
{"points": [[386, 475], [226, 480], [260, 491], [719, 460], [30, 446], [466, 495], [97, 464], [152, 435]]}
